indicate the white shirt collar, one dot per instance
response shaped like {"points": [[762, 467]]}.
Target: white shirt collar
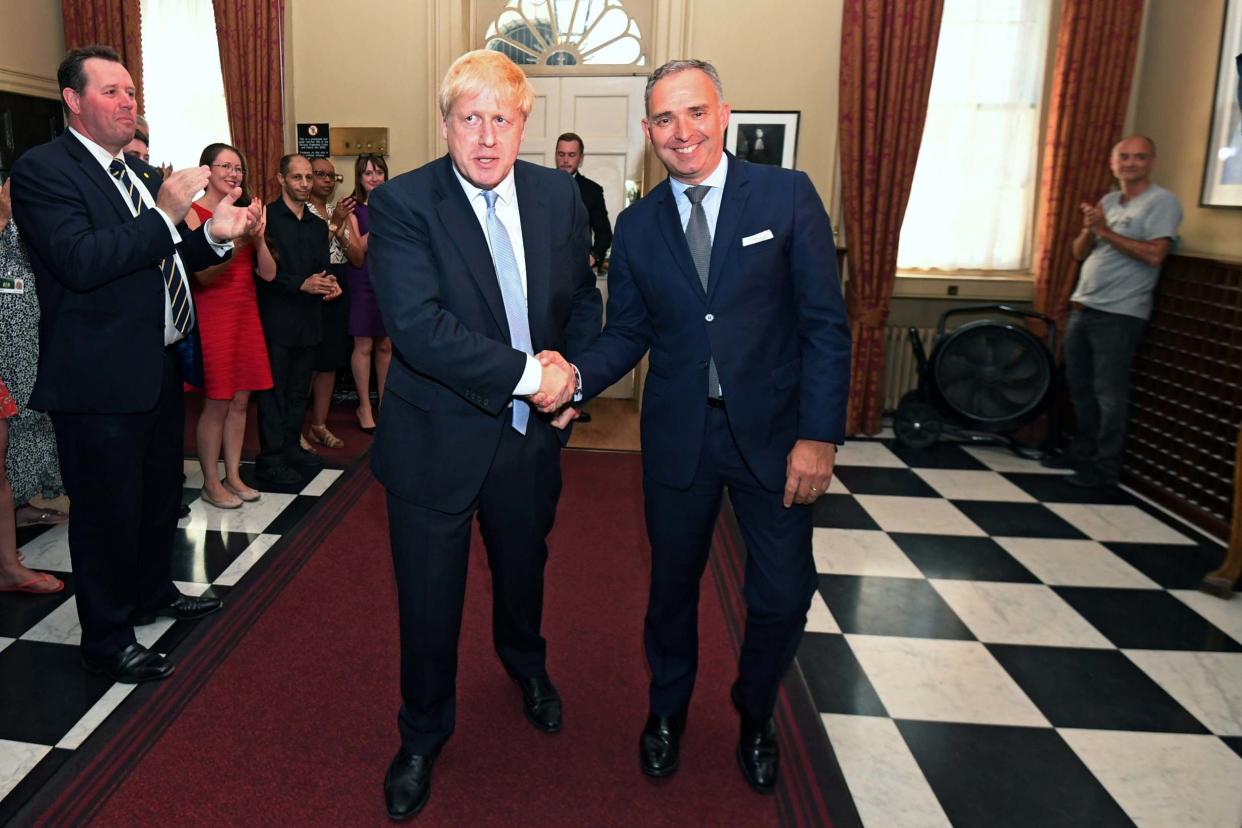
{"points": [[505, 191], [716, 179], [101, 154]]}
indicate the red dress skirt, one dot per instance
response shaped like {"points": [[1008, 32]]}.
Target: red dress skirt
{"points": [[234, 352], [8, 405]]}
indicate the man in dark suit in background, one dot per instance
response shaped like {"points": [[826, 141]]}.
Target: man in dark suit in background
{"points": [[727, 272], [291, 307], [112, 255], [569, 152], [478, 261]]}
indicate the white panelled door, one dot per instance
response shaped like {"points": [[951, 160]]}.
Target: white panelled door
{"points": [[607, 112]]}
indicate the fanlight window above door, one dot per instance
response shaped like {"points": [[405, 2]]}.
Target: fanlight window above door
{"points": [[566, 33]]}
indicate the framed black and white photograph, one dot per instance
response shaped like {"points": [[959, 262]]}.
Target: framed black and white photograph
{"points": [[764, 137], [1222, 170]]}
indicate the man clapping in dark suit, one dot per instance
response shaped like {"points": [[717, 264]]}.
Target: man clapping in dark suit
{"points": [[111, 252], [479, 261], [727, 272]]}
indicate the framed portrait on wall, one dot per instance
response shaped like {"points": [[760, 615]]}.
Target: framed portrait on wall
{"points": [[1222, 169], [764, 137]]}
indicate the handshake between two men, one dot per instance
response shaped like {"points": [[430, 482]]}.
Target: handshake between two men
{"points": [[557, 387]]}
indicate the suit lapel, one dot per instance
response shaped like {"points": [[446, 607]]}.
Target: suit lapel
{"points": [[537, 243], [732, 204], [97, 175], [467, 235], [670, 227]]}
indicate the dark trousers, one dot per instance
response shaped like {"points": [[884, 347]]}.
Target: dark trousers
{"points": [[283, 407], [430, 552], [1099, 349], [780, 575], [123, 474]]}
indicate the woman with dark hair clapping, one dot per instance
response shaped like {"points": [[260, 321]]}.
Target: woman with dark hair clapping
{"points": [[234, 354], [365, 324]]}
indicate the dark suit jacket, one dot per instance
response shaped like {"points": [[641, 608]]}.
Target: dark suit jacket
{"points": [[453, 371], [773, 318], [601, 230], [101, 294]]}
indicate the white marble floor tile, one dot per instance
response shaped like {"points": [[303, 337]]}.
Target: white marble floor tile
{"points": [[1165, 779], [1209, 685], [320, 482], [885, 781], [866, 453], [194, 473], [1227, 615], [1005, 613], [249, 556], [251, 518], [95, 716], [1075, 563], [860, 552], [942, 681], [1123, 524], [819, 618], [194, 588], [50, 550], [958, 484], [835, 486], [4, 642], [926, 515], [1001, 459], [60, 626], [149, 634], [16, 760]]}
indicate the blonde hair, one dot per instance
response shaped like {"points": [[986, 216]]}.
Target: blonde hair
{"points": [[484, 70]]}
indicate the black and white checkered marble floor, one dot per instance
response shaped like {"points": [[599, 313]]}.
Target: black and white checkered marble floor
{"points": [[992, 646], [48, 704]]}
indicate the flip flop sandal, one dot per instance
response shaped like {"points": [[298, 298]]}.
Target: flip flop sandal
{"points": [[40, 584], [49, 517]]}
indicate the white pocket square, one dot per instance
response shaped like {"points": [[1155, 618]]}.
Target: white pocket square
{"points": [[756, 238]]}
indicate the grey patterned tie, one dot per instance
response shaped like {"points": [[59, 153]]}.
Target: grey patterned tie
{"points": [[699, 237]]}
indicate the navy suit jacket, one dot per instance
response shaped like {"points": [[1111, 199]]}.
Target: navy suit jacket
{"points": [[453, 370], [101, 293], [773, 317]]}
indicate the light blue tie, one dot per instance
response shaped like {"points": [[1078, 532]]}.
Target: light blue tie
{"points": [[510, 279]]}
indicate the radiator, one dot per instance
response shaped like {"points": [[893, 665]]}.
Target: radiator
{"points": [[901, 369]]}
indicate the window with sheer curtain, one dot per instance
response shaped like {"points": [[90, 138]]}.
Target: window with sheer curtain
{"points": [[183, 89], [974, 186]]}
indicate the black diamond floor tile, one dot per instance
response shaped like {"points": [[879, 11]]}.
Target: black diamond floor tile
{"points": [[841, 512], [1093, 689], [1017, 520], [1171, 566], [890, 606], [200, 555], [19, 611], [987, 775], [30, 712], [291, 515], [962, 558], [1139, 619], [1052, 488], [943, 455], [869, 480], [837, 681]]}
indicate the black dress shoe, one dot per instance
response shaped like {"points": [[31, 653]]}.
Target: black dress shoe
{"points": [[300, 458], [540, 702], [1060, 460], [1090, 479], [757, 752], [278, 474], [184, 608], [407, 785], [584, 416], [133, 665], [659, 744]]}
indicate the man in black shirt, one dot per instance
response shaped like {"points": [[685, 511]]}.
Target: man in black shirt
{"points": [[289, 306]]}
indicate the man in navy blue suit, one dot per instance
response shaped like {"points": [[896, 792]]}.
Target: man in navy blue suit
{"points": [[479, 262], [727, 273], [111, 251]]}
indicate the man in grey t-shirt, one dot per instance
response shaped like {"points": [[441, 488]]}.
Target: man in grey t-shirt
{"points": [[1123, 242]]}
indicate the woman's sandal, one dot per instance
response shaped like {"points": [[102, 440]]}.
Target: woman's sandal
{"points": [[321, 435], [41, 584], [40, 517]]}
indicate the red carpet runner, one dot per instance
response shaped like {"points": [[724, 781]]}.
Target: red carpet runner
{"points": [[297, 725]]}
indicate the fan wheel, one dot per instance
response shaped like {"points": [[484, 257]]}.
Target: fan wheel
{"points": [[994, 375], [916, 423]]}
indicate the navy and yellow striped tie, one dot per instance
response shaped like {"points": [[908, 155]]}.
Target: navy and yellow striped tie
{"points": [[173, 283]]}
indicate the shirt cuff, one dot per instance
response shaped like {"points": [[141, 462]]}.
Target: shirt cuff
{"points": [[220, 247], [578, 383], [532, 376]]}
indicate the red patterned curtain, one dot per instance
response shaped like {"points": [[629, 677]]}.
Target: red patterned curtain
{"points": [[250, 33], [115, 23], [1096, 48], [888, 50]]}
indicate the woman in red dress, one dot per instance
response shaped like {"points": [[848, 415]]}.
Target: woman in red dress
{"points": [[14, 576], [234, 354]]}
